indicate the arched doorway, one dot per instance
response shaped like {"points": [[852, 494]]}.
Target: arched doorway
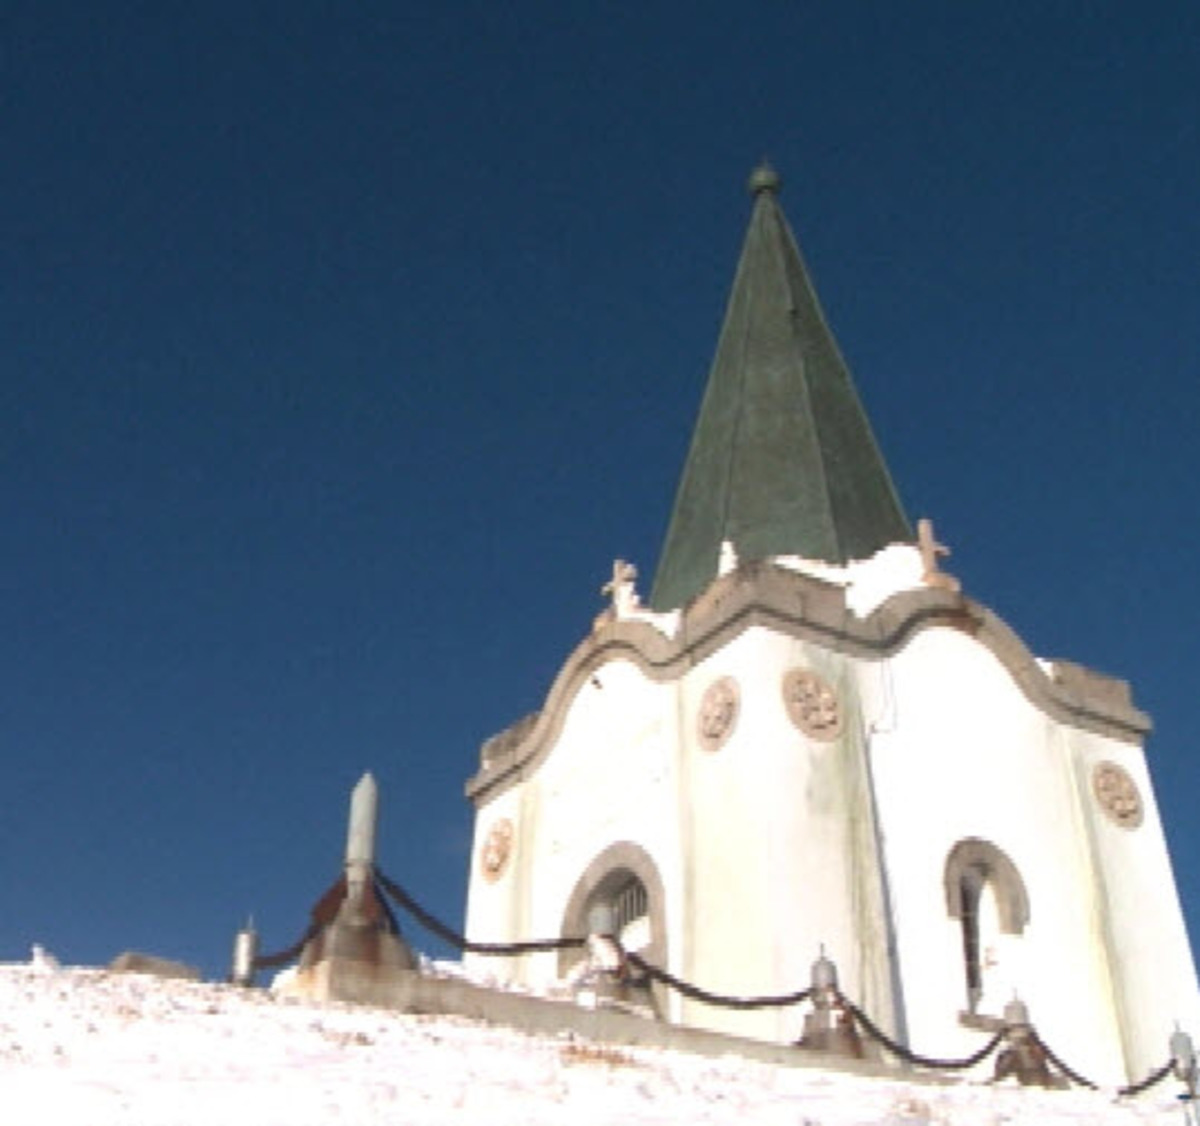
{"points": [[624, 878]]}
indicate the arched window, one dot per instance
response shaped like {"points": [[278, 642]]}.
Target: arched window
{"points": [[971, 886], [985, 893], [625, 879]]}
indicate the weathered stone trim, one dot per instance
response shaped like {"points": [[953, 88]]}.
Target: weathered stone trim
{"points": [[760, 594], [621, 857], [994, 865], [619, 860]]}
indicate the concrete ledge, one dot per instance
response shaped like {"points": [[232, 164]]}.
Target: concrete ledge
{"points": [[133, 962], [412, 992]]}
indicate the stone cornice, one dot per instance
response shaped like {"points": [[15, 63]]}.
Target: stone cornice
{"points": [[760, 594]]}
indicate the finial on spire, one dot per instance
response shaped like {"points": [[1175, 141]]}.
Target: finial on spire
{"points": [[764, 179]]}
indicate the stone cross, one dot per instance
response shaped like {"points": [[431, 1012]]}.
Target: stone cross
{"points": [[621, 588], [931, 550], [360, 837]]}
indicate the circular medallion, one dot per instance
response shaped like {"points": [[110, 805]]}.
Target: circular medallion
{"points": [[718, 712], [812, 704], [1117, 793], [497, 848]]}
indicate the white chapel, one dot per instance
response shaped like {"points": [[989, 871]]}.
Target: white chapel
{"points": [[807, 737]]}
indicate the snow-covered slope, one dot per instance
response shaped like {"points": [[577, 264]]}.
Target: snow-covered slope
{"points": [[93, 1048]]}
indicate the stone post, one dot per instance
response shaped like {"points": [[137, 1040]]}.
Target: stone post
{"points": [[245, 950], [601, 921], [360, 842], [830, 1025], [357, 953], [1022, 1056], [1183, 1059]]}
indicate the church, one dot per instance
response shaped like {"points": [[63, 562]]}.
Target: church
{"points": [[806, 737]]}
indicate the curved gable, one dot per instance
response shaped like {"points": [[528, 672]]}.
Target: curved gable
{"points": [[760, 594]]}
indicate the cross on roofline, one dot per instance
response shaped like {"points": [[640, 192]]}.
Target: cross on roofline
{"points": [[931, 550]]}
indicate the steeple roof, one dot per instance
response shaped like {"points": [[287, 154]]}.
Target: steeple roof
{"points": [[783, 460]]}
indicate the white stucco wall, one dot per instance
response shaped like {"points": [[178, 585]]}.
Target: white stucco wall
{"points": [[612, 775], [960, 752], [765, 846], [776, 844], [780, 842], [1153, 970]]}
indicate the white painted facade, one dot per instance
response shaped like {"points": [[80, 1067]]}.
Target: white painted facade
{"points": [[777, 843]]}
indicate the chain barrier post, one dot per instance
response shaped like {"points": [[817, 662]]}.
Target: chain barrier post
{"points": [[245, 951], [361, 831], [829, 1027], [1183, 1062], [602, 920], [1023, 1056], [604, 958], [602, 979]]}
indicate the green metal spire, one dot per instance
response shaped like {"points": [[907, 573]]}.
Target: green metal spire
{"points": [[782, 461]]}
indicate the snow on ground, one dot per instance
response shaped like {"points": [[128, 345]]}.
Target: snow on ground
{"points": [[94, 1048]]}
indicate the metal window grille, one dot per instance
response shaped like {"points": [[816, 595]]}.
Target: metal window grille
{"points": [[629, 903]]}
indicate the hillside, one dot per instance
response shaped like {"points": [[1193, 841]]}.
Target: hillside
{"points": [[90, 1047]]}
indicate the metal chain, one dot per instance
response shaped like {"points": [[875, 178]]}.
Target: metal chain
{"points": [[698, 994], [436, 926], [1069, 1072], [270, 961], [907, 1054], [1156, 1076], [452, 937]]}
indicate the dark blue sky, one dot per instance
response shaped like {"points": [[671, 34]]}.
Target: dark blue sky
{"points": [[345, 345]]}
